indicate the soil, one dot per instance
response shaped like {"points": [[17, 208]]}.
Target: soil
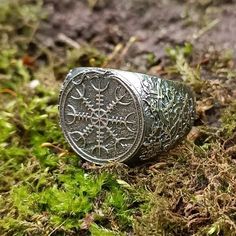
{"points": [[209, 25]]}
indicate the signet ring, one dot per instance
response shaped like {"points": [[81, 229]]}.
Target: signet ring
{"points": [[113, 115]]}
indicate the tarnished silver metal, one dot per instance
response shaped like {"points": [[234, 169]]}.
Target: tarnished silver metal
{"points": [[113, 115]]}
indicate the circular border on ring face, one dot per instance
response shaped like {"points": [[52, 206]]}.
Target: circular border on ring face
{"points": [[101, 116]]}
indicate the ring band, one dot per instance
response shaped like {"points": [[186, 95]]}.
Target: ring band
{"points": [[113, 115]]}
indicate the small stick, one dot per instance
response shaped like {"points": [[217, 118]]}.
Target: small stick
{"points": [[205, 29], [68, 41]]}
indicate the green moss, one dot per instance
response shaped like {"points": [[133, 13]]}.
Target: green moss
{"points": [[95, 230], [188, 74], [175, 52], [228, 119]]}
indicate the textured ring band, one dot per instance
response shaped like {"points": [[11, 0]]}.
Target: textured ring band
{"points": [[113, 115]]}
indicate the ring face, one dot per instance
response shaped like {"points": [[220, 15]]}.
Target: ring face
{"points": [[101, 116]]}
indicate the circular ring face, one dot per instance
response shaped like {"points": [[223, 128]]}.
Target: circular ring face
{"points": [[101, 116]]}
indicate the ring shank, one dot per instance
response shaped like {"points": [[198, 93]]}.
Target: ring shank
{"points": [[169, 111]]}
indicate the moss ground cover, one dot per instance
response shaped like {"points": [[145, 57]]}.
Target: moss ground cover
{"points": [[45, 189]]}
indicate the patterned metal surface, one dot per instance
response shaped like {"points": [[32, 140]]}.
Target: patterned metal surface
{"points": [[170, 108], [109, 115]]}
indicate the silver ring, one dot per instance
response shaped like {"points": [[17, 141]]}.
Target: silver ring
{"points": [[113, 115]]}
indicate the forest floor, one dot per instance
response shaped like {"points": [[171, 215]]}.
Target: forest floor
{"points": [[46, 189]]}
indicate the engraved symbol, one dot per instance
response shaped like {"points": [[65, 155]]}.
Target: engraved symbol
{"points": [[99, 119]]}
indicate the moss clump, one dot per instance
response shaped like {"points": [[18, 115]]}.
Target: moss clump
{"points": [[228, 120], [188, 74]]}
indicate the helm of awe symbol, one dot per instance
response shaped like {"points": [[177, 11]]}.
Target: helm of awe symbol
{"points": [[101, 117]]}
